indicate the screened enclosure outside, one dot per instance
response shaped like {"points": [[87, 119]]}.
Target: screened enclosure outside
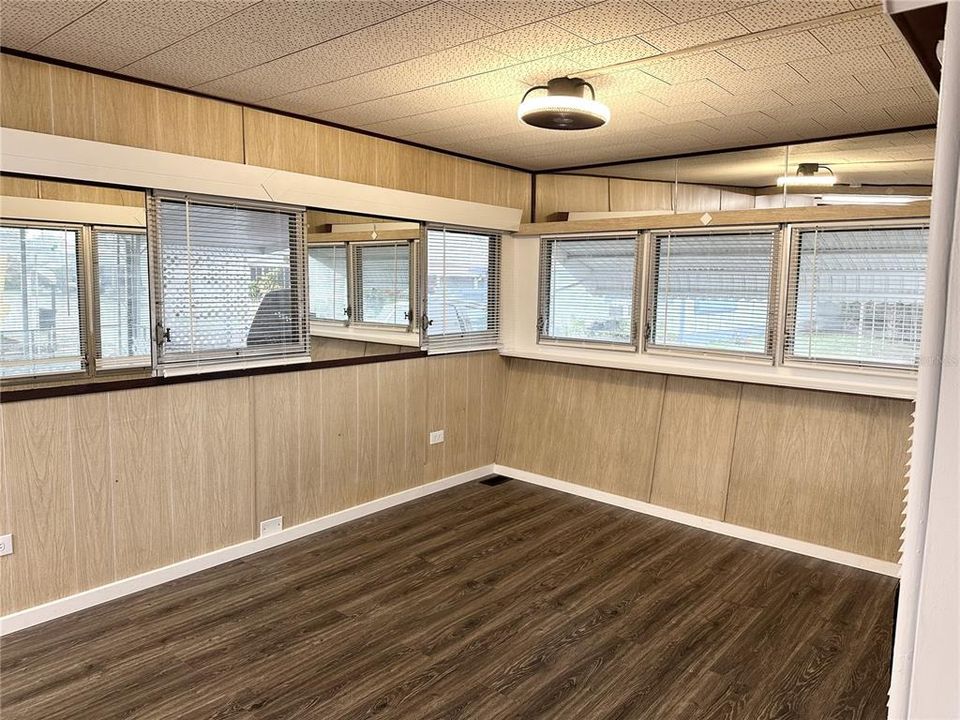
{"points": [[856, 295], [711, 291], [382, 273], [231, 281], [41, 316], [122, 298], [587, 289], [328, 282]]}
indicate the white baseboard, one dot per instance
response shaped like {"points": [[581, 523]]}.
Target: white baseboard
{"points": [[71, 604], [842, 557]]}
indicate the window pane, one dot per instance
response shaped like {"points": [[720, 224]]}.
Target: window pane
{"points": [[589, 289], [41, 327], [231, 281], [328, 282], [123, 298], [462, 288], [858, 295], [383, 278], [712, 291]]}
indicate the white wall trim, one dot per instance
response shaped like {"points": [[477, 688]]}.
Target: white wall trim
{"points": [[19, 208], [718, 526], [365, 333], [89, 598], [33, 153]]}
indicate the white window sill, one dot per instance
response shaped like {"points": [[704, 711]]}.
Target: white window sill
{"points": [[360, 333]]}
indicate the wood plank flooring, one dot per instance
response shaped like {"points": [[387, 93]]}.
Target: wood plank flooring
{"points": [[488, 602]]}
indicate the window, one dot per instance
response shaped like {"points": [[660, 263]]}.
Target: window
{"points": [[122, 298], [711, 291], [230, 281], [587, 289], [382, 273], [856, 295], [328, 282], [462, 289], [42, 322]]}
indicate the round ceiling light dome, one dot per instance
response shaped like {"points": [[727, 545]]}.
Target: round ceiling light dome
{"points": [[564, 107]]}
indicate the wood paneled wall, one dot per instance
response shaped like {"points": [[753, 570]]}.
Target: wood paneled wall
{"points": [[329, 348], [72, 192], [47, 98], [827, 468], [100, 487], [558, 194]]}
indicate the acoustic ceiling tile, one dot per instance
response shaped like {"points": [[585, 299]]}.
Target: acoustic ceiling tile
{"points": [[898, 77], [27, 22], [859, 33], [681, 11], [777, 13], [696, 91], [105, 55], [611, 53], [534, 41], [538, 72], [806, 92], [748, 81], [860, 4], [625, 81], [749, 102], [612, 19], [864, 60], [693, 33], [816, 109], [924, 113], [507, 15], [681, 113], [900, 53], [878, 100], [774, 50], [688, 68]]}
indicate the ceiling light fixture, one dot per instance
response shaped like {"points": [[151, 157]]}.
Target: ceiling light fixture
{"points": [[807, 175], [564, 107]]}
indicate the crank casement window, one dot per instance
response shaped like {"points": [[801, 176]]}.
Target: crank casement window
{"points": [[43, 322], [713, 291], [587, 290], [122, 299], [461, 289], [329, 299], [855, 295], [230, 282]]}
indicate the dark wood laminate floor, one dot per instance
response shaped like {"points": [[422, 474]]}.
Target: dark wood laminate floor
{"points": [[510, 601]]}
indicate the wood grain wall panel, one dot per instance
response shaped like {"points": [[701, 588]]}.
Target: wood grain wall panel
{"points": [[417, 432], [296, 146], [142, 500], [276, 412], [38, 477], [367, 430], [436, 416], [734, 200], [340, 422], [328, 151], [628, 195], [570, 193], [458, 379], [92, 490], [125, 113], [311, 428], [102, 195], [73, 103], [260, 137], [19, 187], [26, 102], [697, 428], [202, 127], [494, 374], [441, 176], [391, 384], [183, 466], [822, 467], [358, 158], [697, 198], [228, 463]]}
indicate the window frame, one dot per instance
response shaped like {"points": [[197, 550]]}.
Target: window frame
{"points": [[769, 355], [544, 292], [791, 280], [331, 322], [355, 285]]}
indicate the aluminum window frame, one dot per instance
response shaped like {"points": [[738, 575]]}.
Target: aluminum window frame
{"points": [[355, 284]]}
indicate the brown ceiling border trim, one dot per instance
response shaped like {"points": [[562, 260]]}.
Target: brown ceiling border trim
{"points": [[923, 28], [195, 93], [742, 148], [55, 391]]}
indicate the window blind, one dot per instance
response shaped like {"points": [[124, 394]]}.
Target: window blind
{"points": [[328, 282], [711, 291], [587, 289], [462, 289], [230, 282], [855, 295], [382, 274], [42, 318], [122, 299]]}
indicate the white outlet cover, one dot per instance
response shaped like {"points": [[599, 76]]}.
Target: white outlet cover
{"points": [[271, 526], [436, 437], [6, 544]]}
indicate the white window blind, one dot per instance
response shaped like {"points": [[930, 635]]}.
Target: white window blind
{"points": [[328, 282], [230, 282], [122, 298], [856, 295], [42, 319], [587, 289], [462, 289], [382, 281], [711, 291]]}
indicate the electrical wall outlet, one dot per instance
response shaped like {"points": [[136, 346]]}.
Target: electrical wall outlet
{"points": [[436, 437], [6, 544], [271, 526]]}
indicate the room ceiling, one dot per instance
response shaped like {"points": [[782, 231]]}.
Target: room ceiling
{"points": [[898, 158], [702, 75]]}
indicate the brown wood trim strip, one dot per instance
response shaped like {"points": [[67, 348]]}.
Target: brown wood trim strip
{"points": [[832, 213], [53, 391]]}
